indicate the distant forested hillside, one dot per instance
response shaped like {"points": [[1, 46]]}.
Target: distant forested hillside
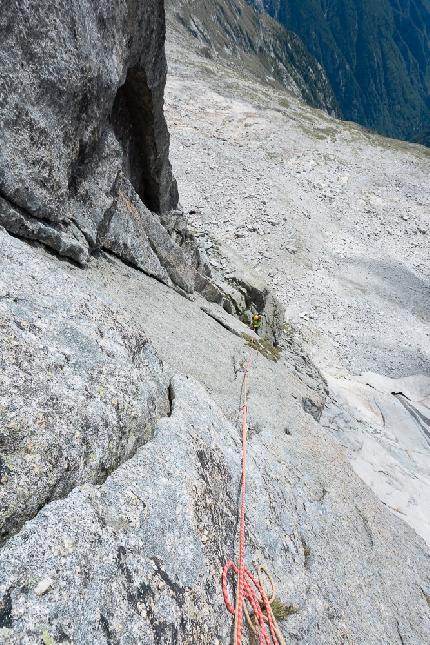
{"points": [[376, 54]]}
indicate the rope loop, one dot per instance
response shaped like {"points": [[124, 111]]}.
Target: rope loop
{"points": [[255, 594]]}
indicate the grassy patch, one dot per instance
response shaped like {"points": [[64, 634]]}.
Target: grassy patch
{"points": [[47, 638], [283, 102], [320, 133], [281, 611], [274, 156], [364, 135], [263, 346], [206, 69], [398, 145]]}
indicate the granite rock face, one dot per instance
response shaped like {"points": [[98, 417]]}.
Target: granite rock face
{"points": [[80, 388], [136, 515], [119, 446], [81, 109], [84, 144], [247, 291]]}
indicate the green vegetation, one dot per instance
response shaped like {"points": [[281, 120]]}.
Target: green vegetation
{"points": [[206, 69], [245, 317], [354, 41], [263, 346], [397, 145], [281, 611], [320, 133], [283, 102], [47, 638], [274, 156]]}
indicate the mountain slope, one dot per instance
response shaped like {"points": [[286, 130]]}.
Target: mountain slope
{"points": [[120, 391], [376, 55], [423, 138], [233, 31], [336, 218]]}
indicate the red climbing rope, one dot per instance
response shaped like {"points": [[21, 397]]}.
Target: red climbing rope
{"points": [[249, 587]]}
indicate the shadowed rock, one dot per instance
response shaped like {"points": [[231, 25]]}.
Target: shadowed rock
{"points": [[81, 104]]}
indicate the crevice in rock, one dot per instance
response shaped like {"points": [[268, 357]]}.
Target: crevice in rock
{"points": [[27, 213], [313, 408], [35, 243], [402, 640], [177, 590], [173, 274], [6, 611], [80, 167], [253, 296], [422, 422], [103, 228], [218, 319], [162, 261], [105, 627], [61, 237], [84, 234], [61, 489], [366, 525], [138, 125], [306, 553], [426, 596], [108, 252], [171, 395]]}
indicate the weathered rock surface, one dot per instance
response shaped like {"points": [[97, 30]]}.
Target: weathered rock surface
{"points": [[81, 109], [119, 472], [65, 238], [136, 235], [385, 424], [248, 291], [137, 557], [80, 389], [83, 140]]}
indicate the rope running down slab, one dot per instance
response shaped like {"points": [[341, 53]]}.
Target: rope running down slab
{"points": [[249, 586]]}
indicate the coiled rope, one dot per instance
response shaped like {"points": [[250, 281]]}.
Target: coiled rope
{"points": [[249, 587]]}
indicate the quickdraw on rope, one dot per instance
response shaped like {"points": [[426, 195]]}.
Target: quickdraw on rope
{"points": [[249, 587]]}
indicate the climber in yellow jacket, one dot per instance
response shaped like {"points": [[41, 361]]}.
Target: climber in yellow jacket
{"points": [[256, 322]]}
